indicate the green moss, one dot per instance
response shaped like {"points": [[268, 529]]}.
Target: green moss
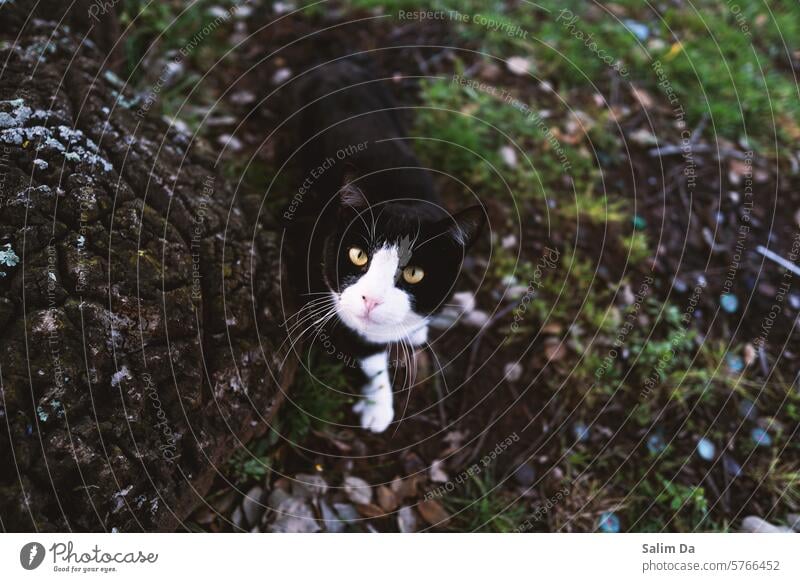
{"points": [[320, 395]]}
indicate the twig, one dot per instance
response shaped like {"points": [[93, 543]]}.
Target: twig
{"points": [[778, 259], [672, 150]]}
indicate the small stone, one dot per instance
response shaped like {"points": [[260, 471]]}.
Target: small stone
{"points": [[655, 443], [406, 520], [643, 137], [760, 437], [309, 485], [729, 302], [281, 75], [706, 449], [609, 522], [793, 520], [358, 490], [754, 524], [679, 285], [282, 7], [294, 515], [252, 506], [735, 363], [437, 474], [794, 301], [238, 518], [748, 410], [639, 223], [767, 289], [330, 519], [243, 97], [509, 156], [519, 65], [525, 475], [347, 513], [231, 142], [581, 432], [276, 497], [641, 31], [732, 468], [513, 371], [476, 319]]}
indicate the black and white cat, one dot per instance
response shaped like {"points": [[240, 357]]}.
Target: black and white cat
{"points": [[381, 255]]}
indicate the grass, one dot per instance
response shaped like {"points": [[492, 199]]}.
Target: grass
{"points": [[483, 507], [730, 67], [318, 399], [252, 463], [464, 130], [320, 395], [182, 40], [691, 392]]}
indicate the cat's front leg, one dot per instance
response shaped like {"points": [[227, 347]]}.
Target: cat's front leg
{"points": [[376, 407]]}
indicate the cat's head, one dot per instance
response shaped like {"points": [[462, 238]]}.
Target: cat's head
{"points": [[390, 266]]}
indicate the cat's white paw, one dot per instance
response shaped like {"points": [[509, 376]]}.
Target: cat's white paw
{"points": [[376, 412]]}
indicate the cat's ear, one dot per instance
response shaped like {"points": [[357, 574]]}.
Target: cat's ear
{"points": [[350, 195], [465, 226]]}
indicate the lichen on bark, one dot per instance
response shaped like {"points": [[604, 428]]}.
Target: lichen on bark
{"points": [[139, 327]]}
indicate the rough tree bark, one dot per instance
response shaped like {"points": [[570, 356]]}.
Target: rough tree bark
{"points": [[138, 308]]}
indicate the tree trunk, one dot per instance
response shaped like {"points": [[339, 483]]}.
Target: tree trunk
{"points": [[139, 338]]}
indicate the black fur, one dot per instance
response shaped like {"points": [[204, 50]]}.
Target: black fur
{"points": [[373, 195]]}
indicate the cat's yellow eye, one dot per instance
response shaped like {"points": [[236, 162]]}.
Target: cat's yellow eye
{"points": [[357, 256], [413, 274]]}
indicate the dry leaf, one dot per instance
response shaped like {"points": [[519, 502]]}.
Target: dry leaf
{"points": [[749, 354], [554, 349], [433, 512], [387, 499], [370, 510], [552, 329], [404, 488], [674, 51], [643, 97]]}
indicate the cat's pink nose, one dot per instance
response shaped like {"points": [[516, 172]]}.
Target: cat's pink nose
{"points": [[370, 303]]}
